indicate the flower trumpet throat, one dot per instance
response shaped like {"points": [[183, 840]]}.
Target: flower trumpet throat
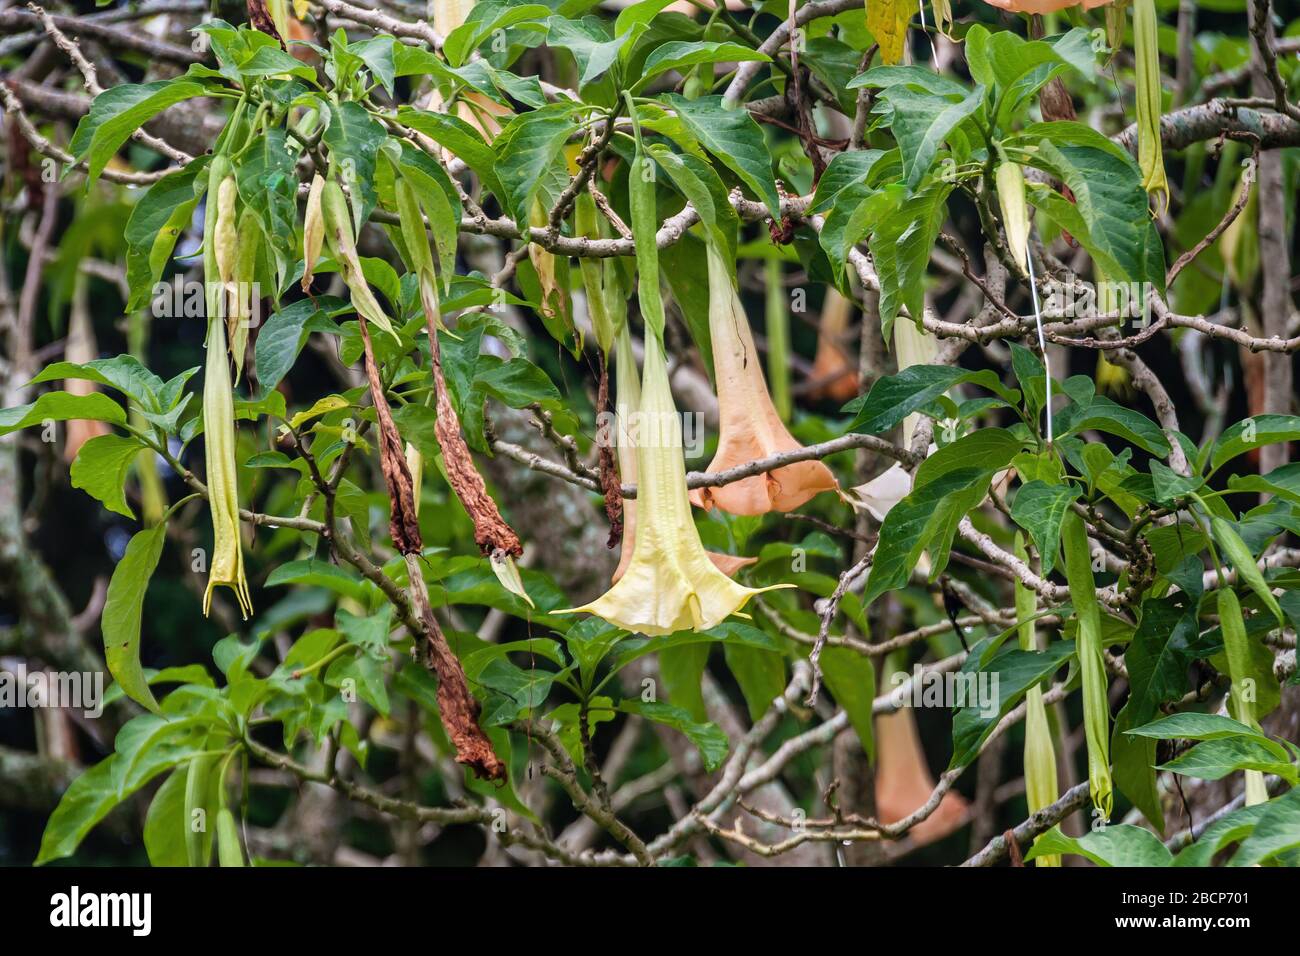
{"points": [[749, 426], [670, 584], [227, 568]]}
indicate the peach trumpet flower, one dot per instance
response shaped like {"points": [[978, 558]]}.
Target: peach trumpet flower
{"points": [[627, 402], [1044, 6], [670, 584], [836, 372], [904, 783], [750, 427]]}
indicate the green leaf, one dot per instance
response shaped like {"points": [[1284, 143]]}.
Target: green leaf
{"points": [[354, 137], [517, 692], [61, 407], [317, 573], [901, 245], [1109, 213], [1232, 828], [166, 823], [83, 804], [484, 20], [1193, 726], [118, 112], [526, 149], [1133, 765], [851, 678], [100, 469], [681, 54], [893, 397], [589, 42], [1039, 508], [272, 61], [1216, 758], [921, 123], [1121, 845], [1010, 674], [1276, 831], [283, 337], [845, 169], [681, 669], [734, 139], [1242, 559], [453, 133], [760, 674], [1254, 432], [1284, 482], [123, 610], [157, 220], [732, 631], [707, 737], [1104, 415], [930, 513]]}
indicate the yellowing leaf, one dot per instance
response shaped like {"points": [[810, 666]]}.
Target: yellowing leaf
{"points": [[327, 404], [887, 20]]}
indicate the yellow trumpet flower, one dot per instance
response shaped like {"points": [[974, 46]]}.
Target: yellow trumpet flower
{"points": [[670, 584], [629, 399], [749, 426]]}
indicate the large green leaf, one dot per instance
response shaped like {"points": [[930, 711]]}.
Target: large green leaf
{"points": [[123, 610], [893, 397], [87, 801], [1120, 845], [101, 467], [458, 136], [61, 407], [1276, 831], [928, 515], [526, 150], [707, 737], [1009, 674], [1109, 213], [166, 823], [118, 112], [590, 43], [734, 139], [1215, 759], [1107, 416], [901, 244], [922, 121], [1039, 508], [484, 20], [851, 678], [681, 54], [1253, 432]]}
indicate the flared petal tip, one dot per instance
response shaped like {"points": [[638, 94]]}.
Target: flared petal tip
{"points": [[783, 489], [240, 588]]}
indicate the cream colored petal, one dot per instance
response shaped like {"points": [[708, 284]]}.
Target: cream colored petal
{"points": [[670, 584]]}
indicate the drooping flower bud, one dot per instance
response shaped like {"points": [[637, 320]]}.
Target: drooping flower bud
{"points": [[1015, 213], [313, 230], [1146, 52]]}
